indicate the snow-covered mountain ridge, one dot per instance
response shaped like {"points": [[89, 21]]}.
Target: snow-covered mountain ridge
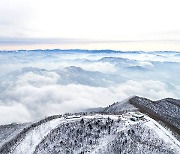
{"points": [[122, 127]]}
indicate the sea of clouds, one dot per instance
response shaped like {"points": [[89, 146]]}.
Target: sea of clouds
{"points": [[34, 84]]}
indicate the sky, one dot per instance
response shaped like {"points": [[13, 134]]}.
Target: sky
{"points": [[90, 24]]}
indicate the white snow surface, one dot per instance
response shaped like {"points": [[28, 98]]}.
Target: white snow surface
{"points": [[32, 139], [103, 143], [35, 136], [163, 133]]}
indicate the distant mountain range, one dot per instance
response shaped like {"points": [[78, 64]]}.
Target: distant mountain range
{"points": [[90, 51], [133, 126]]}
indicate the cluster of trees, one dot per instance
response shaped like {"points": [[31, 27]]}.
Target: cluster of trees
{"points": [[138, 139], [81, 136]]}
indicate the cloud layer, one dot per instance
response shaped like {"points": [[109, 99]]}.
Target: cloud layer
{"points": [[45, 83]]}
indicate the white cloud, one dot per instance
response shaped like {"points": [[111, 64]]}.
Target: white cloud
{"points": [[49, 99], [16, 112], [98, 66], [36, 79], [146, 64], [148, 88]]}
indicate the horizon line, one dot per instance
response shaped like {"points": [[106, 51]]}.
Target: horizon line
{"points": [[93, 50]]}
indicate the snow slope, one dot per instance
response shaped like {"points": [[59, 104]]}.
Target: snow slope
{"points": [[119, 128], [163, 133], [35, 136]]}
